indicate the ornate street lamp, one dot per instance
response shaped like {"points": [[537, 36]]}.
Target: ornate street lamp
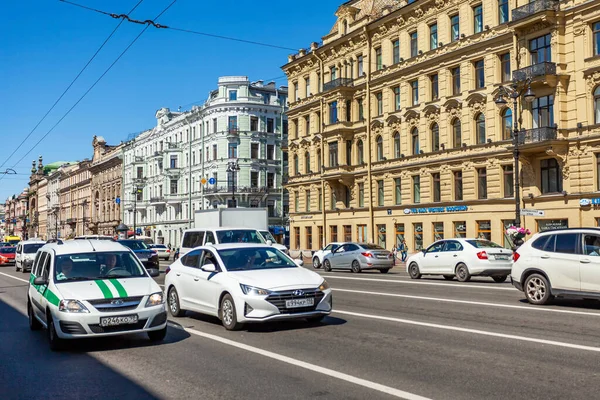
{"points": [[233, 167], [138, 187]]}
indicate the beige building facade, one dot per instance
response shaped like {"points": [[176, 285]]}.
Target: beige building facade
{"points": [[395, 132], [75, 197]]}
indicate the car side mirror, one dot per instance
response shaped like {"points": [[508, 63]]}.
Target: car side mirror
{"points": [[153, 272], [269, 242], [208, 243], [40, 280], [209, 268], [299, 262]]}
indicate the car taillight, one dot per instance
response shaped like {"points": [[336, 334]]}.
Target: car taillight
{"points": [[167, 270], [168, 251], [482, 255], [516, 256], [367, 255]]}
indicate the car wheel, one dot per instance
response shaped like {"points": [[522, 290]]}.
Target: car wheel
{"points": [[537, 289], [23, 270], [355, 267], [448, 277], [316, 320], [56, 343], [157, 336], [413, 271], [228, 314], [327, 266], [384, 271], [16, 267], [34, 324], [316, 263], [174, 307], [500, 278], [462, 273]]}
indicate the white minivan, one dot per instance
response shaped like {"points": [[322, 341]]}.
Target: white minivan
{"points": [[202, 236], [25, 254]]}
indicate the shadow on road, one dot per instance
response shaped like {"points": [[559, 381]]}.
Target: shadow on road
{"points": [[571, 303]]}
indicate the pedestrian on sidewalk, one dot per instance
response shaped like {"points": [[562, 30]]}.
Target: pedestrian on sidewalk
{"points": [[403, 250], [395, 253]]}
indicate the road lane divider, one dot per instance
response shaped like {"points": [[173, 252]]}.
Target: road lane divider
{"points": [[302, 364], [412, 282], [14, 277], [474, 331]]}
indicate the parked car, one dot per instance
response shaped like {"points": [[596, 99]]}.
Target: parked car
{"points": [[245, 283], [359, 256], [25, 254], [269, 239], [558, 263], [319, 255], [9, 253], [141, 250], [462, 258], [161, 250]]}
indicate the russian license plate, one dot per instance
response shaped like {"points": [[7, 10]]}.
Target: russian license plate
{"points": [[299, 303], [382, 256], [143, 258], [501, 257], [122, 320]]}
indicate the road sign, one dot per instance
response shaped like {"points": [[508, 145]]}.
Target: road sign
{"points": [[528, 212], [203, 181], [118, 200], [212, 181]]}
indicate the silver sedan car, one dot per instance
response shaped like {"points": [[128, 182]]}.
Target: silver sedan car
{"points": [[359, 256]]}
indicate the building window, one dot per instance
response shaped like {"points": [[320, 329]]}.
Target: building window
{"points": [[397, 98], [321, 238], [333, 154], [438, 231], [347, 233], [507, 129], [458, 185], [270, 152], [505, 67], [478, 18], [307, 83], [551, 176], [460, 229], [347, 197], [416, 189], [379, 97], [456, 133], [214, 125], [379, 142], [172, 164], [543, 111], [480, 128], [396, 145], [361, 111], [348, 110], [433, 37], [484, 230], [319, 200], [597, 105], [540, 49], [414, 134], [307, 125], [270, 180], [596, 35], [502, 11], [435, 90], [307, 163], [297, 236], [378, 59], [348, 152], [435, 137], [296, 165], [414, 44], [455, 80], [174, 186], [361, 194], [399, 228], [396, 51], [418, 236], [333, 233], [454, 28], [333, 74], [598, 171], [270, 125], [397, 191], [296, 201], [254, 150], [482, 183], [333, 112], [308, 230], [359, 62], [414, 88], [381, 236], [214, 151], [232, 150], [307, 200], [232, 95], [509, 180], [380, 193], [479, 74], [361, 233], [437, 187], [319, 160], [254, 178], [360, 152]]}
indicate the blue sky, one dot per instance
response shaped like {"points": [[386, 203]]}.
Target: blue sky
{"points": [[46, 42]]}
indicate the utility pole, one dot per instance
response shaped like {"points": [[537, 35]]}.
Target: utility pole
{"points": [[138, 186]]}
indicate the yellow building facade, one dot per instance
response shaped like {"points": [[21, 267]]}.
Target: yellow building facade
{"points": [[395, 132]]}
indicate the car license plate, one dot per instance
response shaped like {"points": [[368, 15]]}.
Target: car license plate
{"points": [[123, 320], [299, 303], [380, 256], [143, 258], [502, 257]]}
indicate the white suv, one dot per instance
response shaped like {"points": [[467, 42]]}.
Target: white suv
{"points": [[563, 262]]}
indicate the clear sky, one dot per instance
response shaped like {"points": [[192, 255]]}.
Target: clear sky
{"points": [[45, 43]]}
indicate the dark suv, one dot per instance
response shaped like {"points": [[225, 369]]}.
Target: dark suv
{"points": [[148, 257]]}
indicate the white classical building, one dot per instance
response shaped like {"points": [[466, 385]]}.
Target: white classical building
{"points": [[185, 163]]}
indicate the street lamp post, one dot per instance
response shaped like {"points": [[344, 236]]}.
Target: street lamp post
{"points": [[515, 91], [138, 187], [233, 167]]}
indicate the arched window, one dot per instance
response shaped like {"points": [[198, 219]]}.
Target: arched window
{"points": [[296, 168], [597, 105], [507, 124], [379, 142], [318, 160], [456, 133], [344, 27], [480, 128], [435, 137], [396, 145], [360, 151], [414, 134], [307, 162]]}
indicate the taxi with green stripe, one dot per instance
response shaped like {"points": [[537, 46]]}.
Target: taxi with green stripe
{"points": [[92, 288]]}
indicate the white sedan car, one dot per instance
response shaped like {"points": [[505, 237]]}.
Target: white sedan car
{"points": [[242, 283], [462, 258], [319, 255]]}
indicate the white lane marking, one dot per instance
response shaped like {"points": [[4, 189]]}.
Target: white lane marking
{"points": [[411, 282], [477, 303], [14, 277], [309, 366], [475, 331]]}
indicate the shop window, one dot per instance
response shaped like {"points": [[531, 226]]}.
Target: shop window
{"points": [[484, 230], [438, 231], [297, 237], [333, 233], [309, 237], [460, 229], [399, 233], [381, 236], [361, 233], [347, 233], [418, 236]]}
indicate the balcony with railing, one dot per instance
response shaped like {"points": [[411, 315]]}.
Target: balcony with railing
{"points": [[173, 172], [534, 7], [544, 71], [71, 221], [339, 82], [529, 138], [157, 200], [233, 132], [173, 148], [138, 160]]}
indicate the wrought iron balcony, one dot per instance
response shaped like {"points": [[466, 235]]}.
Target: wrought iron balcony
{"points": [[233, 131], [138, 160], [173, 171], [535, 71], [157, 199], [537, 135], [534, 7], [339, 82]]}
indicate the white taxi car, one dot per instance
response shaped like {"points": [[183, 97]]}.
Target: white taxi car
{"points": [[92, 288]]}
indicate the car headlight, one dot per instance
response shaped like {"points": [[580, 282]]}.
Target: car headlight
{"points": [[254, 291], [155, 299], [324, 285], [72, 306]]}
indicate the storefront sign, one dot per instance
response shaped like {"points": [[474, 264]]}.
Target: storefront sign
{"points": [[528, 212], [306, 217], [588, 202], [435, 210], [552, 224]]}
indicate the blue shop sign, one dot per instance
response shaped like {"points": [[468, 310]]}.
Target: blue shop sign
{"points": [[435, 210], [588, 202]]}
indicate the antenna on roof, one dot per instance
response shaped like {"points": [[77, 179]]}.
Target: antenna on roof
{"points": [[91, 244]]}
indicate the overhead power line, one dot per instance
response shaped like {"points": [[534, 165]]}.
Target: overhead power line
{"points": [[70, 85], [94, 84]]}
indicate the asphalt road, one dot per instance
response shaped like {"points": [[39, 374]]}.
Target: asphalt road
{"points": [[388, 337]]}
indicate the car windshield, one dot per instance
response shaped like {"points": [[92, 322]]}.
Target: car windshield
{"points": [[9, 250], [134, 244], [371, 246], [239, 236], [267, 235], [254, 258], [32, 248], [483, 244], [94, 266], [159, 246]]}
